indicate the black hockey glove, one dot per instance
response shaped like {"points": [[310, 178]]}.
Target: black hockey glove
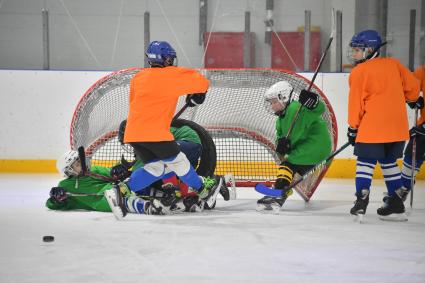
{"points": [[308, 99], [352, 134], [195, 99], [120, 172], [418, 130], [58, 194], [283, 146], [419, 104]]}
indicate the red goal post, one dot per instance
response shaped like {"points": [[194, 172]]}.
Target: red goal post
{"points": [[233, 113]]}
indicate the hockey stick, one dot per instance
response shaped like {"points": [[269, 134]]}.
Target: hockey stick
{"points": [[412, 181], [263, 189], [291, 127], [178, 114], [85, 171], [82, 157], [84, 195]]}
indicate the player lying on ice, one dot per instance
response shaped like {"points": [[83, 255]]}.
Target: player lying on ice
{"points": [[86, 192], [378, 122], [154, 93], [190, 144], [308, 144]]}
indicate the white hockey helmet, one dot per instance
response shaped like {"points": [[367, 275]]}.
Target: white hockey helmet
{"points": [[282, 91], [64, 163]]}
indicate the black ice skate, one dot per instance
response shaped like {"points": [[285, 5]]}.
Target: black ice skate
{"points": [[360, 205], [393, 208], [193, 204], [273, 203], [116, 202]]}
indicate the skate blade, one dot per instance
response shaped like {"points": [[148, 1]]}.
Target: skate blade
{"points": [[263, 207], [359, 218], [395, 217], [116, 210]]}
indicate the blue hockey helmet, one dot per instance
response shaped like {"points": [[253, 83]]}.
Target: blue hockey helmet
{"points": [[369, 41], [160, 54], [366, 39]]}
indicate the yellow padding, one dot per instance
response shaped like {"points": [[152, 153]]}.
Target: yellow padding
{"points": [[340, 168], [28, 166], [286, 173]]}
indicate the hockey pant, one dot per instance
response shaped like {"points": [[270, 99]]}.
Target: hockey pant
{"points": [[155, 170]]}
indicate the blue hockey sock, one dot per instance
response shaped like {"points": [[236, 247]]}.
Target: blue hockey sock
{"points": [[135, 204], [406, 171], [182, 167], [364, 173], [392, 175], [192, 179]]}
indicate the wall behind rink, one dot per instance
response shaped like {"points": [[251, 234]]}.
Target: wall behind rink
{"points": [[37, 109]]}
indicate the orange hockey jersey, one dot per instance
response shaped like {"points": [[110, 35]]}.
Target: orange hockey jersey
{"points": [[379, 89], [420, 74], [154, 94]]}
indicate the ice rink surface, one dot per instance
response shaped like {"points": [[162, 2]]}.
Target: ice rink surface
{"points": [[313, 242]]}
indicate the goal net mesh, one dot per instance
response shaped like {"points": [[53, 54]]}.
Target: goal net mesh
{"points": [[233, 113]]}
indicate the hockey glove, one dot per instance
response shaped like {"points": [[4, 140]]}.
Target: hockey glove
{"points": [[352, 134], [58, 194], [283, 146], [418, 130], [418, 104], [308, 99], [195, 99], [120, 172]]}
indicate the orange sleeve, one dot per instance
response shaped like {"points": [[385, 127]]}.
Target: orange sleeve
{"points": [[411, 85], [191, 81], [420, 75], [355, 99]]}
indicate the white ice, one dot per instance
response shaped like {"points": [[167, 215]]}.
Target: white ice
{"points": [[313, 242]]}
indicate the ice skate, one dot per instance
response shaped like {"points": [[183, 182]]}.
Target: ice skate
{"points": [[393, 208], [210, 189], [116, 202], [229, 190], [193, 204], [151, 209], [360, 205], [272, 203]]}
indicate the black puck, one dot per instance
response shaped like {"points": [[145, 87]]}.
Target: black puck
{"points": [[48, 238]]}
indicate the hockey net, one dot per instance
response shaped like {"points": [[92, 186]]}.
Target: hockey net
{"points": [[233, 113]]}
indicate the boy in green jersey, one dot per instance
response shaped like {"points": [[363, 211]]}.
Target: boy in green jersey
{"points": [[86, 192], [308, 144]]}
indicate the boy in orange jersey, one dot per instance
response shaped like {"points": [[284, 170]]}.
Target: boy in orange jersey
{"points": [[154, 93], [418, 132], [377, 118]]}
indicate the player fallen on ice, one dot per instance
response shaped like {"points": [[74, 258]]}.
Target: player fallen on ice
{"points": [[154, 93], [416, 132], [86, 192], [308, 144], [190, 144], [377, 118]]}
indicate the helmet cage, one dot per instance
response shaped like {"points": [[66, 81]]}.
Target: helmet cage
{"points": [[282, 91], [65, 162]]}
